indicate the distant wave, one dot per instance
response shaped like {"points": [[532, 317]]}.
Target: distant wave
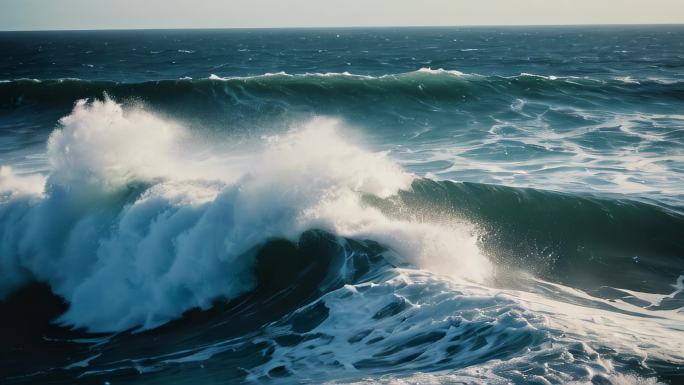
{"points": [[425, 83], [404, 75]]}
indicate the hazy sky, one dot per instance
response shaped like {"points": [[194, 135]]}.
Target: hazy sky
{"points": [[100, 14]]}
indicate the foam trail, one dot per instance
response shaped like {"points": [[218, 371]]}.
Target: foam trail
{"points": [[139, 215]]}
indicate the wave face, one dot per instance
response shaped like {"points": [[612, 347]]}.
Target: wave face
{"points": [[330, 207]]}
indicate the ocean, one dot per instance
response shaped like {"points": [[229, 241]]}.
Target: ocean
{"points": [[481, 205]]}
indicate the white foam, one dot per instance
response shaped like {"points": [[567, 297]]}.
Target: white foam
{"points": [[549, 77], [439, 71], [345, 74], [13, 185], [284, 74], [627, 80], [570, 163], [548, 341]]}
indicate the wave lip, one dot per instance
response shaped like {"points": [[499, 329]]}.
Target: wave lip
{"points": [[439, 71]]}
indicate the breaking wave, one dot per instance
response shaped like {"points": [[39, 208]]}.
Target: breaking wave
{"points": [[135, 213]]}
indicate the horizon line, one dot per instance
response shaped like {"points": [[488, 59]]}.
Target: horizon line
{"points": [[342, 27]]}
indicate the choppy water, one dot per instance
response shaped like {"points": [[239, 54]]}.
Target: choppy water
{"points": [[484, 205]]}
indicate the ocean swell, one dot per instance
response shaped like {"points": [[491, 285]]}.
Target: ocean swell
{"points": [[428, 85]]}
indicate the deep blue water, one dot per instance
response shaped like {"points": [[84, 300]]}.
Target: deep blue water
{"points": [[419, 205]]}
